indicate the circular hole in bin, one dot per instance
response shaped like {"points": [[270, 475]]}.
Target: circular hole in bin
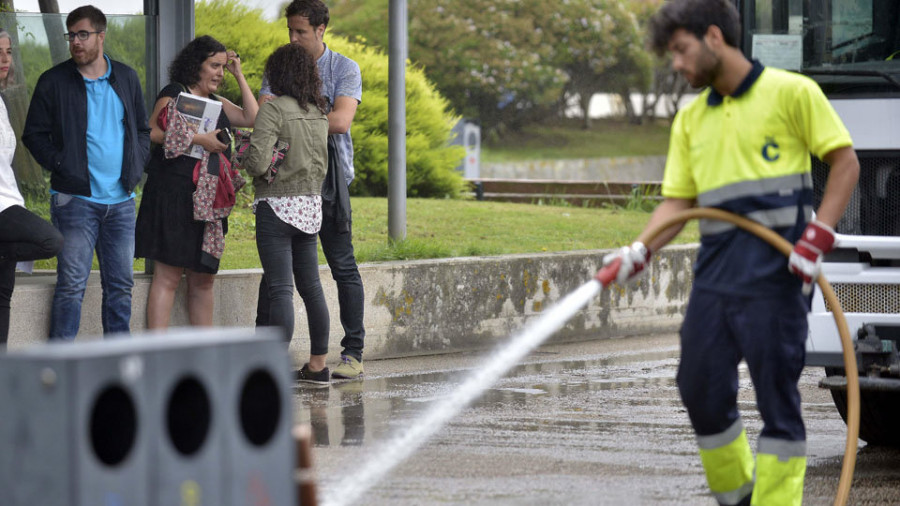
{"points": [[113, 425], [260, 407], [188, 415]]}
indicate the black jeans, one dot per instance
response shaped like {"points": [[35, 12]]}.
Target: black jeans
{"points": [[23, 236], [338, 249], [288, 255]]}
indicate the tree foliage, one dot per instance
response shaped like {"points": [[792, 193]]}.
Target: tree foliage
{"points": [[506, 61], [431, 162], [599, 46], [486, 56]]}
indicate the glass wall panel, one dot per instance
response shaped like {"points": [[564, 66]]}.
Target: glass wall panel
{"points": [[39, 43]]}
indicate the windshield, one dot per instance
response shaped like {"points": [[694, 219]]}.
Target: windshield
{"points": [[851, 47]]}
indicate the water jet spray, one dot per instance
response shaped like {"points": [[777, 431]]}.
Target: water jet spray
{"points": [[392, 452]]}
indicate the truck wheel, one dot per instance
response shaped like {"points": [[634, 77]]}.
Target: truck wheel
{"points": [[878, 413]]}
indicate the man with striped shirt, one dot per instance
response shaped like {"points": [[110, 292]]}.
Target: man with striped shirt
{"points": [[342, 86]]}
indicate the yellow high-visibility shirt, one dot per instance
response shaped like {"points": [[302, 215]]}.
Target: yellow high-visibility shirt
{"points": [[749, 153]]}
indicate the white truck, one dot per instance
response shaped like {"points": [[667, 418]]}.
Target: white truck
{"points": [[852, 49]]}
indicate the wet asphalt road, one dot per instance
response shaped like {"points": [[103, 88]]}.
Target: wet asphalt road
{"points": [[589, 424]]}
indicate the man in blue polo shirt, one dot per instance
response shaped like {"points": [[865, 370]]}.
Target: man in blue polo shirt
{"points": [[743, 146], [87, 126]]}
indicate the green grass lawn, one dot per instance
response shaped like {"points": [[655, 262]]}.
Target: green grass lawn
{"points": [[607, 138], [460, 228], [457, 228]]}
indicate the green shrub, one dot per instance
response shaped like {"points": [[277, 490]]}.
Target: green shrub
{"points": [[430, 160], [244, 30]]}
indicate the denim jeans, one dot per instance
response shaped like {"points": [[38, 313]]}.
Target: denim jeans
{"points": [[23, 236], [338, 250], [287, 256], [86, 227]]}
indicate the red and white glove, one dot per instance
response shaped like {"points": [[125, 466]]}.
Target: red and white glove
{"points": [[625, 264], [806, 258]]}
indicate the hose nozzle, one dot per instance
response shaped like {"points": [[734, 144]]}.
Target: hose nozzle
{"points": [[608, 273]]}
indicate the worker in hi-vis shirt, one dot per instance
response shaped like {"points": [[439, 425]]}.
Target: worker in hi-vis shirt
{"points": [[743, 145]]}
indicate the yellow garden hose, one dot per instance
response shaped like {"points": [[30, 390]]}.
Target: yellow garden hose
{"points": [[785, 247]]}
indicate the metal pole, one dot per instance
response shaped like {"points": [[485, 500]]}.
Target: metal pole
{"points": [[172, 30], [397, 52]]}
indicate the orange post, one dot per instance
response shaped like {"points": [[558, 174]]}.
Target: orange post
{"points": [[303, 474]]}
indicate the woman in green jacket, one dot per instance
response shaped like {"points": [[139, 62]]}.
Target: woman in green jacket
{"points": [[288, 203]]}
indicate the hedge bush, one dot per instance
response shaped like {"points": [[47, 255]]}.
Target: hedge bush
{"points": [[430, 161]]}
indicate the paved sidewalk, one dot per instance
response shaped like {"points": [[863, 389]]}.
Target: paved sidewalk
{"points": [[597, 423]]}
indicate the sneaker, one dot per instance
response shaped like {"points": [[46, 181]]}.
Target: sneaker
{"points": [[350, 368], [304, 375]]}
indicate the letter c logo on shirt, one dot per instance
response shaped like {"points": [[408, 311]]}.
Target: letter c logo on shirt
{"points": [[770, 150]]}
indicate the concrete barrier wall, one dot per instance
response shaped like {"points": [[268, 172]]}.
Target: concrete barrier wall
{"points": [[634, 168], [419, 307]]}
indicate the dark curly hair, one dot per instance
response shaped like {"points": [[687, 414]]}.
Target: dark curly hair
{"points": [[292, 71], [185, 68], [695, 16]]}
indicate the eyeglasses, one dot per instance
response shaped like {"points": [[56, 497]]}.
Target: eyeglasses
{"points": [[81, 35]]}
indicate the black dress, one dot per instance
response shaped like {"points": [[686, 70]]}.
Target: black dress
{"points": [[166, 231]]}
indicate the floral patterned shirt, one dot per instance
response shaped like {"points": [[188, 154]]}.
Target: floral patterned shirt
{"points": [[303, 212]]}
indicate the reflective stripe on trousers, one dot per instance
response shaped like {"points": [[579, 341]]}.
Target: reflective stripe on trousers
{"points": [[728, 463], [780, 470]]}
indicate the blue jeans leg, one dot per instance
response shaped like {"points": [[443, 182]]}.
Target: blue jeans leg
{"points": [[79, 223], [87, 226], [338, 249], [115, 254]]}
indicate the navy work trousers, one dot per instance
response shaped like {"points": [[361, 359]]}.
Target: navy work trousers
{"points": [[769, 332]]}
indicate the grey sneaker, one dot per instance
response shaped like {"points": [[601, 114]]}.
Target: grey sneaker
{"points": [[304, 375], [350, 368]]}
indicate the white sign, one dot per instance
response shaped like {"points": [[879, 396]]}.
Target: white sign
{"points": [[780, 51]]}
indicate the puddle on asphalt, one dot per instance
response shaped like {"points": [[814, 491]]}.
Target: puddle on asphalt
{"points": [[357, 412]]}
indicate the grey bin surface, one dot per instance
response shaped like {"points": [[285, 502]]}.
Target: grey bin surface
{"points": [[258, 439], [149, 420]]}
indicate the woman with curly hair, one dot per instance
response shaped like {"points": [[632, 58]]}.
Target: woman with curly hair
{"points": [[166, 230], [288, 203]]}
